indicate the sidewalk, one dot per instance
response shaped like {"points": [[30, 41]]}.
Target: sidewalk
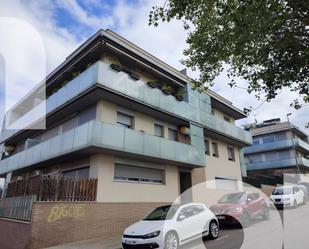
{"points": [[113, 243]]}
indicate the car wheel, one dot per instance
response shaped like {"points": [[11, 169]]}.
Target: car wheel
{"points": [[213, 230], [266, 213], [245, 220], [171, 241]]}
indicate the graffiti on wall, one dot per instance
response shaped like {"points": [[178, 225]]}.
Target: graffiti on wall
{"points": [[64, 211]]}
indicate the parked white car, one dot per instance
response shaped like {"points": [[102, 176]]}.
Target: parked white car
{"points": [[171, 226], [287, 196]]}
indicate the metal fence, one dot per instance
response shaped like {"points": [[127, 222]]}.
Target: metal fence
{"points": [[19, 208], [57, 188]]}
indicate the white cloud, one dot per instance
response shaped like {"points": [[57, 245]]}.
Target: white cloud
{"points": [[82, 16]]}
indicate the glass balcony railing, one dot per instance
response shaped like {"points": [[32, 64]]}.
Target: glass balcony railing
{"points": [[197, 111], [285, 144], [109, 137], [73, 88], [278, 164]]}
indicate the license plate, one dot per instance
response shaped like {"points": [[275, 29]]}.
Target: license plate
{"points": [[221, 217], [130, 242]]}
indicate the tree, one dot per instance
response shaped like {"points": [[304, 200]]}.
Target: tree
{"points": [[265, 42]]}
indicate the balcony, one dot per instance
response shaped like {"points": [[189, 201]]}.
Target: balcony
{"points": [[302, 162], [197, 110], [285, 144], [107, 137]]}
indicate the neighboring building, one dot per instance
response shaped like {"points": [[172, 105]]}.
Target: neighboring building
{"points": [[278, 148], [118, 114]]}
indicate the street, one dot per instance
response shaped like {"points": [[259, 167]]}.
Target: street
{"points": [[264, 234]]}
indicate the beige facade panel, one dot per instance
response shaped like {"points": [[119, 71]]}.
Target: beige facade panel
{"points": [[110, 190]]}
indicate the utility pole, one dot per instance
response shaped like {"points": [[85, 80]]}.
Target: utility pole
{"points": [[294, 148]]}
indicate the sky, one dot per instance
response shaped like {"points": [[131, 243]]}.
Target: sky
{"points": [[65, 24]]}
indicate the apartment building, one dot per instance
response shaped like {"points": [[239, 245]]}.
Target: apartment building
{"points": [[120, 115], [278, 148]]}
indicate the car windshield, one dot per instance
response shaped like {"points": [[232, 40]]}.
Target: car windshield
{"points": [[232, 198], [282, 191], [162, 213]]}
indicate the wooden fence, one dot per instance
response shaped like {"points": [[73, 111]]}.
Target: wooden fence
{"points": [[57, 188], [19, 208]]}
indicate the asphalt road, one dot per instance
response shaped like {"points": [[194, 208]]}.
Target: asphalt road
{"points": [[262, 234]]}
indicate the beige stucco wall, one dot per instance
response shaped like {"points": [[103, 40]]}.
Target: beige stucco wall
{"points": [[221, 166], [218, 166], [219, 114], [102, 166], [107, 112]]}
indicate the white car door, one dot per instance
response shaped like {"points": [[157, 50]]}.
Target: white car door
{"points": [[297, 194], [300, 194], [187, 224], [202, 218]]}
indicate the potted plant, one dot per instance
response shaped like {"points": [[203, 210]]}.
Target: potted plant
{"points": [[116, 65], [134, 76], [167, 89], [180, 94], [75, 74], [154, 84]]}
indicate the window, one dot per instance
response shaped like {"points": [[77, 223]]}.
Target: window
{"points": [[207, 147], [281, 136], [159, 130], [124, 120], [138, 174], [80, 173], [268, 139], [87, 115], [197, 209], [231, 153], [69, 125], [227, 119], [255, 158], [255, 140], [51, 133], [172, 134], [271, 156], [186, 212], [215, 150], [284, 154], [253, 196]]}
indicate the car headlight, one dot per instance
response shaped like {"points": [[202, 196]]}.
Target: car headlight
{"points": [[234, 210], [287, 199], [151, 235]]}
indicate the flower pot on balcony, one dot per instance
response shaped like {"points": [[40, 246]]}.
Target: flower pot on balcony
{"points": [[116, 66], [154, 84], [180, 95], [167, 89], [135, 76]]}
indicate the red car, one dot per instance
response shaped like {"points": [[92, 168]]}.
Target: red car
{"points": [[240, 208]]}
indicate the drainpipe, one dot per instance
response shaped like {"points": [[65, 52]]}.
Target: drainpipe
{"points": [[294, 148]]}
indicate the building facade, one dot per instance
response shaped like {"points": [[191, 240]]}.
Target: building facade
{"points": [[116, 113], [278, 148]]}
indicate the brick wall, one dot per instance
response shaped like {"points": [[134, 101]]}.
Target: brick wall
{"points": [[14, 234], [56, 223]]}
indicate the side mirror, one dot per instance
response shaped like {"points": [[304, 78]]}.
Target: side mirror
{"points": [[181, 217]]}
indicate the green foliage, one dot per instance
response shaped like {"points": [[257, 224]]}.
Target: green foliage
{"points": [[265, 42]]}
